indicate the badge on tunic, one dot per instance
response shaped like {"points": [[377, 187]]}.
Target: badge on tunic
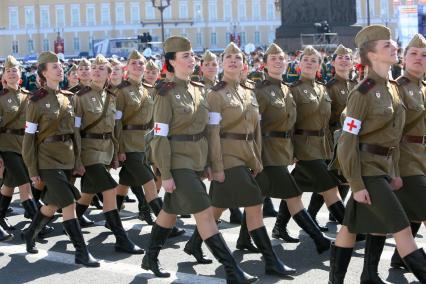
{"points": [[305, 91], [178, 97], [228, 95], [342, 92], [410, 93], [377, 94], [9, 101], [93, 99], [273, 94], [131, 93], [48, 105]]}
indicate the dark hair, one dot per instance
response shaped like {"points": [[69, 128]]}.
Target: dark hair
{"points": [[369, 46], [170, 56], [40, 69]]}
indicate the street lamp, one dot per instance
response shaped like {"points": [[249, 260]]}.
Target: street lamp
{"points": [[161, 5]]}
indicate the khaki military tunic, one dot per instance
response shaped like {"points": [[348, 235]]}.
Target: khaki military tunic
{"points": [[10, 103], [413, 155], [278, 114], [208, 83], [89, 106], [239, 112], [313, 114], [45, 107], [181, 106], [375, 102], [137, 106]]}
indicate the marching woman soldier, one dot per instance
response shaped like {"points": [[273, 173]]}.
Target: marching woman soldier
{"points": [[368, 157], [151, 74], [72, 77], [50, 156], [95, 114], [117, 74], [412, 163], [180, 151], [311, 145], [135, 108], [83, 73], [338, 89], [235, 154], [4, 235], [278, 112], [209, 68]]}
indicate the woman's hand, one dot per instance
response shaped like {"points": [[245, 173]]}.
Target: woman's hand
{"points": [[208, 173], [219, 176], [121, 157], [396, 183], [362, 196], [36, 180], [169, 185]]}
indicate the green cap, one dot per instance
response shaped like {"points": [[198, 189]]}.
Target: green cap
{"points": [[232, 48], [73, 68], [273, 49], [208, 56], [115, 62], [47, 57], [342, 50], [418, 41], [84, 62], [310, 50], [100, 60], [151, 65], [372, 33], [11, 62], [176, 44], [136, 55]]}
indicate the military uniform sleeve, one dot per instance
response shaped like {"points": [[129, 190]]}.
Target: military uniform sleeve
{"points": [[29, 146], [213, 132], [258, 146], [113, 134], [160, 144], [348, 146], [118, 129], [78, 110], [262, 100]]}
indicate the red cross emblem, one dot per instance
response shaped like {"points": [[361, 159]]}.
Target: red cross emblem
{"points": [[157, 128], [351, 125]]}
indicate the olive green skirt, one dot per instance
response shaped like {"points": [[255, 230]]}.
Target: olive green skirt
{"points": [[97, 179], [16, 173], [239, 189], [413, 197], [58, 191], [385, 215], [276, 182], [190, 195], [314, 176], [135, 171]]}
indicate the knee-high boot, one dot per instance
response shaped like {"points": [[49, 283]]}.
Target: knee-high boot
{"points": [[396, 261], [193, 247], [244, 240], [156, 206], [339, 262], [4, 205], [317, 201], [373, 250], [280, 228]]}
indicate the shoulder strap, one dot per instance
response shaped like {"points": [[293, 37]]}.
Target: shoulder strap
{"points": [[104, 111]]}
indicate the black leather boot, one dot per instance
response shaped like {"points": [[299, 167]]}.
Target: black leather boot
{"points": [[416, 263], [156, 206], [82, 254], [82, 219], [244, 240], [396, 261], [156, 242], [97, 203], [193, 247], [268, 208], [120, 200], [373, 250], [4, 205], [30, 234], [337, 209], [37, 195], [280, 229], [4, 235], [343, 191], [234, 274], [305, 222], [236, 216], [317, 201], [31, 209], [122, 243], [144, 210], [273, 265], [339, 262]]}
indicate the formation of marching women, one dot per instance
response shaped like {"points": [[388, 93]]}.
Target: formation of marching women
{"points": [[365, 139]]}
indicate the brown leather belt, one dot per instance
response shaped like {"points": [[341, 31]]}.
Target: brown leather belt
{"points": [[193, 138], [136, 127], [414, 139], [277, 134], [309, 132], [14, 131], [58, 138], [101, 136], [237, 136], [375, 149]]}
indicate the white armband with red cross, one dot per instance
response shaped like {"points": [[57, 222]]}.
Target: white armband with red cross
{"points": [[214, 118], [77, 122], [30, 127], [352, 125], [161, 129]]}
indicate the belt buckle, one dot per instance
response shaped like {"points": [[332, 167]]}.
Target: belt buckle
{"points": [[62, 138], [247, 137], [194, 138], [390, 151]]}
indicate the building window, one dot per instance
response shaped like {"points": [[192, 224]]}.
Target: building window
{"points": [[91, 44], [227, 10], [358, 10], [167, 14], [243, 38], [135, 13], [183, 9], [271, 10], [76, 44], [75, 15], [149, 11], [29, 17], [228, 38], [13, 18], [105, 14], [90, 15], [257, 38], [256, 9], [199, 39], [119, 14], [213, 39], [373, 9], [271, 37], [30, 46], [45, 44], [212, 10], [241, 9], [44, 17], [15, 47], [384, 9], [198, 11], [60, 16]]}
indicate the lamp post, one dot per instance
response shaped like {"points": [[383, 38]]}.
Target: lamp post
{"points": [[368, 12], [161, 5]]}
